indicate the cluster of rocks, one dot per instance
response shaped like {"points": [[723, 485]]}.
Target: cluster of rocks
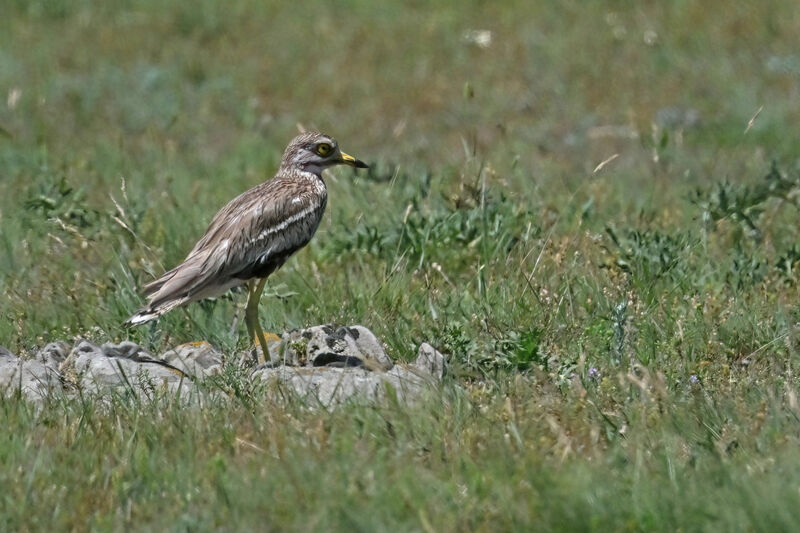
{"points": [[321, 364]]}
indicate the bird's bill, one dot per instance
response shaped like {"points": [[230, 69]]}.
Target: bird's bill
{"points": [[352, 161]]}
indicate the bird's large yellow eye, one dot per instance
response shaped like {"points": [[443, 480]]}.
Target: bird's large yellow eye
{"points": [[323, 149]]}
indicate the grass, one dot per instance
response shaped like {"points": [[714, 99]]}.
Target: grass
{"points": [[622, 341]]}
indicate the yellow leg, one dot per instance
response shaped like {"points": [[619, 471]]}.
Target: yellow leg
{"points": [[251, 315]]}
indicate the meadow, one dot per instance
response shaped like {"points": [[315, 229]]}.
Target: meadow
{"points": [[590, 207]]}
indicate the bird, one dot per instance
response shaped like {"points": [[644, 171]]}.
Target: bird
{"points": [[253, 235]]}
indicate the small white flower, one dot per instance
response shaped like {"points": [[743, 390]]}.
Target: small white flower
{"points": [[480, 38]]}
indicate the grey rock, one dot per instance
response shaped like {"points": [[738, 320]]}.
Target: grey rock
{"points": [[53, 354], [326, 345], [114, 366], [9, 367], [197, 359], [430, 360], [101, 374], [29, 377], [5, 353], [81, 356], [127, 349], [329, 386], [367, 343], [323, 364]]}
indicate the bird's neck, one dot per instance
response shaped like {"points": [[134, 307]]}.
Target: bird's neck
{"points": [[309, 169]]}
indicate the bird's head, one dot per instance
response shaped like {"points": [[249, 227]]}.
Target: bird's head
{"points": [[314, 152]]}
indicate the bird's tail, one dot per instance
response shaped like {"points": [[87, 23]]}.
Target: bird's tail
{"points": [[151, 312]]}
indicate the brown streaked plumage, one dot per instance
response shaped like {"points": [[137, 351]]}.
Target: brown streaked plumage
{"points": [[254, 234]]}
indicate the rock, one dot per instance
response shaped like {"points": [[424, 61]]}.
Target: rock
{"points": [[105, 373], [330, 385], [126, 349], [80, 357], [5, 353], [125, 365], [197, 359], [327, 386], [369, 345], [326, 345], [430, 360], [29, 377], [322, 364], [53, 354]]}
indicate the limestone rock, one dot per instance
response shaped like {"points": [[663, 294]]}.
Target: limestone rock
{"points": [[53, 354], [197, 359], [326, 345], [126, 349], [369, 345], [330, 385], [29, 377], [5, 353], [327, 386], [430, 360], [125, 365], [322, 364]]}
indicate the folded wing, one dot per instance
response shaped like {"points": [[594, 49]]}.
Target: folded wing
{"points": [[252, 236]]}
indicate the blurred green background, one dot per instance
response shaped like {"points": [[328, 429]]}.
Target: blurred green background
{"points": [[633, 321], [186, 105]]}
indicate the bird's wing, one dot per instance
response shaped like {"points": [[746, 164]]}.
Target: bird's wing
{"points": [[267, 222]]}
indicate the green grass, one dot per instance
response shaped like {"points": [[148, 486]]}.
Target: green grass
{"points": [[623, 343]]}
